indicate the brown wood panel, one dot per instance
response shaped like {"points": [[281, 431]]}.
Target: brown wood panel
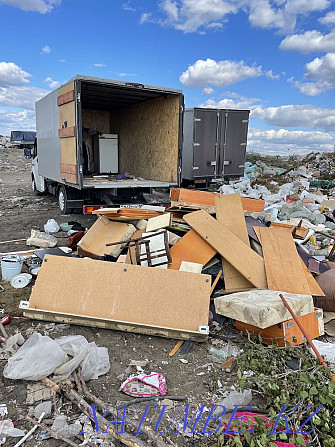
{"points": [[240, 256], [190, 248], [131, 250], [65, 98], [312, 284], [288, 331], [142, 295], [193, 197], [68, 168], [69, 178], [283, 268], [229, 212], [67, 132]]}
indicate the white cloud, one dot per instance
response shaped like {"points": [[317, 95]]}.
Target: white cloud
{"points": [[146, 17], [292, 115], [309, 42], [99, 65], [125, 74], [51, 83], [127, 7], [287, 142], [274, 77], [328, 19], [21, 96], [11, 74], [10, 120], [312, 88], [193, 15], [234, 101], [46, 49], [41, 6], [207, 91], [62, 60], [221, 74]]}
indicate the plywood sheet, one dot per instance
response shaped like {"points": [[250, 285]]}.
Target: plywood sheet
{"points": [[192, 267], [103, 232], [67, 112], [282, 262], [240, 256], [68, 150], [229, 212], [122, 293], [96, 119], [312, 284], [188, 197], [191, 248], [149, 138], [66, 88], [65, 98]]}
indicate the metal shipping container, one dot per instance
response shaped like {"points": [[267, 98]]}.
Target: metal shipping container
{"points": [[215, 142]]}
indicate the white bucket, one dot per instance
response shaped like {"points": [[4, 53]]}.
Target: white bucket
{"points": [[11, 265]]}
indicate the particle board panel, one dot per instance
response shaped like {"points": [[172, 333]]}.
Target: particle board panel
{"points": [[68, 168], [69, 178], [159, 222], [131, 294], [192, 267], [229, 212], [66, 88], [190, 197], [312, 284], [68, 151], [191, 248], [149, 138], [65, 98], [67, 112], [67, 132], [240, 256], [96, 119], [282, 262]]}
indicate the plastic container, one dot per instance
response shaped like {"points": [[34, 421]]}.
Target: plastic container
{"points": [[11, 265]]}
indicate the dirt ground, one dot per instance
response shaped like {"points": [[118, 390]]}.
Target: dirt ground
{"points": [[192, 374]]}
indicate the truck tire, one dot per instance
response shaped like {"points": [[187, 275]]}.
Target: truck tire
{"points": [[63, 200]]}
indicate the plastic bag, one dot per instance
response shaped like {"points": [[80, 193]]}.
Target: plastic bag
{"points": [[51, 226], [77, 347], [36, 359], [236, 398], [96, 362], [40, 239], [7, 429]]}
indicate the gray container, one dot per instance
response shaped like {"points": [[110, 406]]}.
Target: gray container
{"points": [[215, 142]]}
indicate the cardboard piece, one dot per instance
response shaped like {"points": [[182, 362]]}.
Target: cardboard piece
{"points": [[236, 252], [103, 232], [191, 248], [282, 262], [191, 267], [288, 331], [159, 222], [130, 294], [262, 308], [229, 212]]}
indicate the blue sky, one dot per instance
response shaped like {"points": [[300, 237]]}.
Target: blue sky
{"points": [[274, 57]]}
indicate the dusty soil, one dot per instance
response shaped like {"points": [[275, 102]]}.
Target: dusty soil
{"points": [[197, 378]]}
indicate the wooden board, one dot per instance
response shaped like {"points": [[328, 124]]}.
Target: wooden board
{"points": [[283, 268], [191, 248], [191, 267], [300, 232], [65, 98], [229, 212], [288, 332], [312, 284], [132, 294], [131, 250], [191, 197], [159, 222], [242, 257], [67, 132]]}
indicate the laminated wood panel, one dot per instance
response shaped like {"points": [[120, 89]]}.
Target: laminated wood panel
{"points": [[191, 248], [205, 198], [149, 138], [113, 291], [229, 212], [67, 132], [236, 252], [65, 98], [282, 263]]}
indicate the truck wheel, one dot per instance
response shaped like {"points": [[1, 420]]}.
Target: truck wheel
{"points": [[63, 201]]}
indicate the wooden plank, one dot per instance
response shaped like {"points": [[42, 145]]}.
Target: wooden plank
{"points": [[300, 232], [132, 294], [191, 248], [229, 212], [65, 98], [159, 222], [131, 250], [192, 267], [283, 268], [242, 257], [67, 132], [104, 323], [312, 284], [191, 197], [66, 168], [69, 178]]}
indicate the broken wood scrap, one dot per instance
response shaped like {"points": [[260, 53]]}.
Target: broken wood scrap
{"points": [[131, 249], [216, 281], [127, 214], [190, 248], [159, 222], [312, 284], [283, 267], [229, 212], [236, 252], [298, 232]]}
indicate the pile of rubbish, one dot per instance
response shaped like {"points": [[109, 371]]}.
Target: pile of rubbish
{"points": [[261, 259]]}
